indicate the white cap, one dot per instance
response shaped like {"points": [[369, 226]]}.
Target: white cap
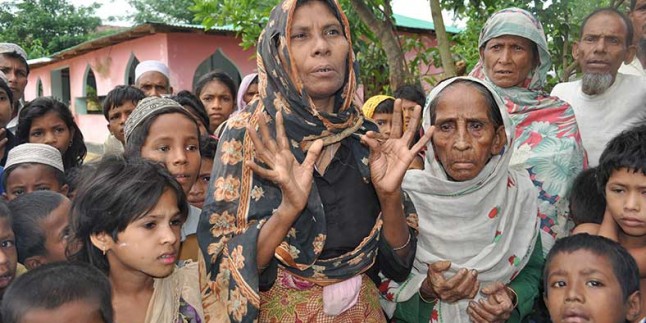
{"points": [[151, 66], [35, 153]]}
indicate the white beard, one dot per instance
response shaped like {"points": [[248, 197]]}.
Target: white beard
{"points": [[594, 83]]}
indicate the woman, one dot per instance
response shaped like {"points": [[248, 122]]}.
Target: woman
{"points": [[276, 234], [247, 91], [477, 216], [514, 57]]}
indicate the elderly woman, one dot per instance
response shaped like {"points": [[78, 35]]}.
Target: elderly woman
{"points": [[514, 58], [296, 217], [478, 256]]}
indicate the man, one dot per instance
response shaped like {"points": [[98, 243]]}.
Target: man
{"points": [[153, 78], [13, 63], [605, 102], [638, 16]]}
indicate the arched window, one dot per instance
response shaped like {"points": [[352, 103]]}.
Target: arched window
{"points": [[218, 61], [130, 69], [92, 102], [39, 88]]}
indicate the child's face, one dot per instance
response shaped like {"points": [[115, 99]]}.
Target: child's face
{"points": [[218, 101], [383, 121], [582, 287], [79, 311], [149, 245], [50, 129], [117, 117], [5, 108], [198, 191], [28, 178], [626, 201], [56, 229], [173, 140], [8, 255]]}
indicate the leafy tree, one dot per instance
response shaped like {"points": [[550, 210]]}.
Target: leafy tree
{"points": [[43, 27], [166, 11]]}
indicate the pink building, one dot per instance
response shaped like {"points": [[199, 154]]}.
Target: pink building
{"points": [[82, 75]]}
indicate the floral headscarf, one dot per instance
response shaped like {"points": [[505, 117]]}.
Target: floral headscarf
{"points": [[548, 139], [239, 202]]}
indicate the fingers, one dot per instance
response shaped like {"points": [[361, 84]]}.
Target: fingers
{"points": [[493, 288], [261, 171], [495, 308], [270, 143], [262, 152], [396, 123], [409, 134], [371, 140], [440, 266], [313, 153], [421, 143], [281, 136]]}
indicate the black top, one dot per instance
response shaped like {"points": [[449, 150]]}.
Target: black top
{"points": [[351, 209]]}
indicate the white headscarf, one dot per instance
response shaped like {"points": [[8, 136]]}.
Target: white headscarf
{"points": [[488, 223]]}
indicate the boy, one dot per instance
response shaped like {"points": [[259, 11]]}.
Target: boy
{"points": [[591, 279], [587, 204], [41, 227], [33, 167], [621, 176], [380, 109], [117, 106], [8, 256], [59, 292]]}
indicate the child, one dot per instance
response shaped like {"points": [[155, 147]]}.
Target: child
{"points": [[59, 292], [126, 219], [217, 91], [33, 167], [380, 109], [197, 194], [6, 106], [592, 279], [587, 204], [621, 176], [117, 106], [161, 130], [41, 227], [8, 254], [48, 121]]}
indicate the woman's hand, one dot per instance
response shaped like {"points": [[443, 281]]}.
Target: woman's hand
{"points": [[463, 285], [495, 308], [390, 157], [294, 179]]}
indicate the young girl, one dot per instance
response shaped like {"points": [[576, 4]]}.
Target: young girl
{"points": [[126, 218], [161, 130], [217, 91], [48, 121], [8, 253]]}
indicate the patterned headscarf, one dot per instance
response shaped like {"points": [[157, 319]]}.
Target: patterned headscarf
{"points": [[548, 141], [239, 202]]}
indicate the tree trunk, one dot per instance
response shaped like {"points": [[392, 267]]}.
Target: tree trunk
{"points": [[442, 39], [389, 42]]}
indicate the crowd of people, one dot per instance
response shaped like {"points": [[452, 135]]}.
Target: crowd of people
{"points": [[282, 200]]}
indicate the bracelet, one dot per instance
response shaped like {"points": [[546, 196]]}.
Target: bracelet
{"points": [[405, 244], [515, 300], [425, 300]]}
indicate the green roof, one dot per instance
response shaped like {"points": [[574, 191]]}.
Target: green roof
{"points": [[408, 22]]}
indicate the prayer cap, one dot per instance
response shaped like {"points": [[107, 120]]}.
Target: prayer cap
{"points": [[148, 66], [145, 108], [35, 153]]}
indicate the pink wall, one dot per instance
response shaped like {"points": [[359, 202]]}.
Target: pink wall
{"points": [[182, 52]]}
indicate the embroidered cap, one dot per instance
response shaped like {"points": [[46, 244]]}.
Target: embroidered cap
{"points": [[145, 108], [151, 66], [35, 153]]}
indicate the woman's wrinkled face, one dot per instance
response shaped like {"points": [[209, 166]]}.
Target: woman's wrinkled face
{"points": [[319, 49], [508, 60], [465, 138]]}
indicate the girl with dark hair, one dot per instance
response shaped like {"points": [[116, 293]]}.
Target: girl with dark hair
{"points": [[126, 219], [194, 106], [217, 91], [49, 121]]}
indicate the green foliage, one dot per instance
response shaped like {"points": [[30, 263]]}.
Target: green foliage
{"points": [[43, 27], [163, 11]]}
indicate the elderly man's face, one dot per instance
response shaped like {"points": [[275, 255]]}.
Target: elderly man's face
{"points": [[602, 47], [465, 138], [16, 72], [153, 83], [638, 16]]}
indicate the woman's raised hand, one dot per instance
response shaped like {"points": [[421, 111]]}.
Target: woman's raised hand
{"points": [[294, 179], [390, 157]]}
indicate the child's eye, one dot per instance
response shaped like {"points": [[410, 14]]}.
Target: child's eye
{"points": [[18, 192], [175, 222], [192, 148], [7, 244], [206, 178], [164, 148], [617, 190], [59, 130], [150, 225], [43, 188], [207, 98], [36, 133], [595, 283], [558, 284]]}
